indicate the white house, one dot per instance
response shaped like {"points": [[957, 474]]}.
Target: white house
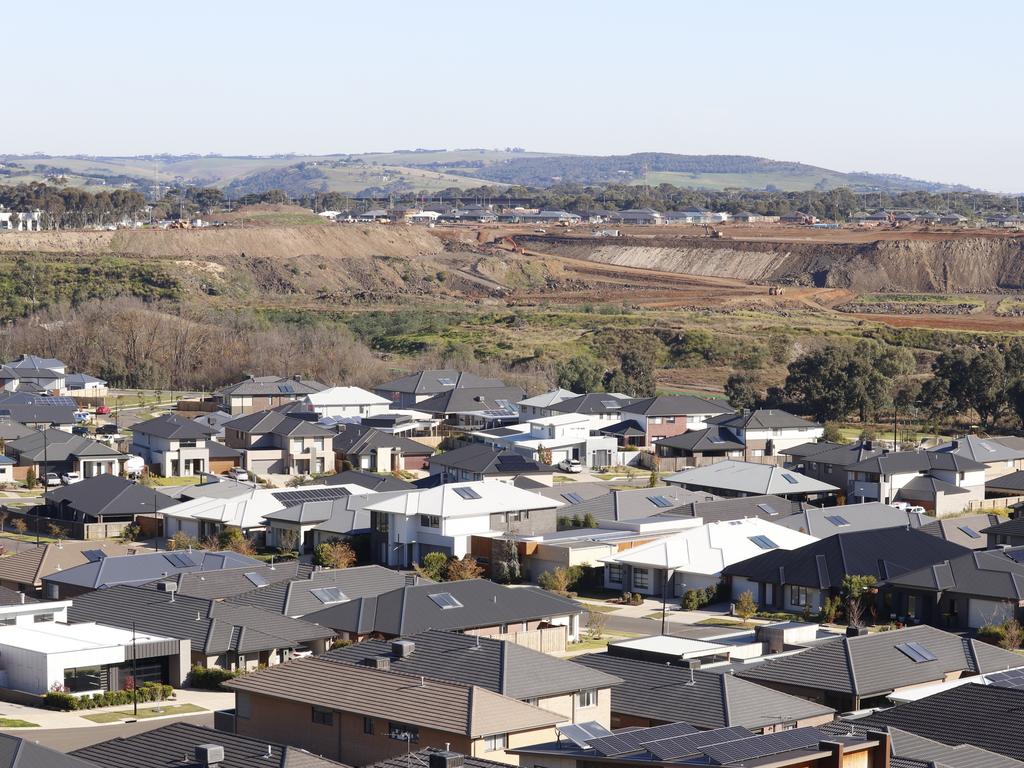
{"points": [[346, 401], [567, 436], [942, 483], [694, 558], [538, 405], [407, 526]]}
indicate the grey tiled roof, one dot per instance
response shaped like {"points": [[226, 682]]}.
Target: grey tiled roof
{"points": [[871, 665], [909, 750], [16, 752], [678, 405], [272, 386], [487, 460], [1011, 527], [765, 418], [368, 480], [989, 574], [1011, 482], [956, 529], [109, 494], [828, 521], [503, 667], [983, 449], [592, 404], [468, 400], [216, 585], [173, 427], [162, 747], [433, 381], [894, 463], [774, 508], [58, 446], [421, 759], [712, 700], [357, 440], [145, 567], [714, 438], [629, 504], [276, 423]]}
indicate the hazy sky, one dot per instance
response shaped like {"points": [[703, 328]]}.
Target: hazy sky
{"points": [[925, 89]]}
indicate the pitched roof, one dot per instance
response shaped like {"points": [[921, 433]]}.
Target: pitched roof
{"points": [[103, 572], [421, 759], [1011, 482], [473, 400], [547, 399], [357, 439], [214, 627], [345, 396], [909, 750], [765, 418], [985, 716], [277, 423], [304, 593], [271, 386], [871, 515], [903, 462], [873, 665], [981, 449], [109, 494], [627, 504], [499, 666], [994, 574], [443, 706], [164, 746], [173, 427], [430, 382], [714, 509], [229, 582], [839, 455], [678, 405], [483, 459], [16, 752], [714, 438], [30, 565], [38, 413], [58, 445], [711, 700], [411, 609], [965, 530], [750, 478], [480, 497], [369, 480], [882, 553], [592, 404]]}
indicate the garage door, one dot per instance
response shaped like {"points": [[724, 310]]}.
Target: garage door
{"points": [[984, 612]]}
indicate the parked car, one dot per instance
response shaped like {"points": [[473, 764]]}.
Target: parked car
{"points": [[69, 478], [81, 431], [52, 479], [237, 473], [572, 466], [82, 416], [102, 410]]}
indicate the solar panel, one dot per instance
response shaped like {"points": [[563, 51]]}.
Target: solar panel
{"points": [[1011, 678], [969, 531], [94, 555], [287, 389], [611, 404], [763, 542], [299, 496], [614, 745], [1017, 555], [789, 478], [445, 600], [659, 501], [582, 734], [179, 560], [257, 579], [667, 731], [572, 498], [769, 509], [762, 746], [681, 746], [327, 595], [595, 730], [837, 520], [467, 493], [915, 652]]}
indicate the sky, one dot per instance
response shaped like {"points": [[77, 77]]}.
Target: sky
{"points": [[924, 89]]}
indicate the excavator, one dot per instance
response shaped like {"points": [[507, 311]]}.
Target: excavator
{"points": [[710, 231]]}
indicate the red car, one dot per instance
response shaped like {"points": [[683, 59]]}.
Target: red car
{"points": [[102, 410]]}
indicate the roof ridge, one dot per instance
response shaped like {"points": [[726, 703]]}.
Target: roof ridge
{"points": [[503, 669], [726, 716], [854, 688]]}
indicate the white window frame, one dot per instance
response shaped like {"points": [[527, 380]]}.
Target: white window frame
{"points": [[586, 698], [496, 743]]}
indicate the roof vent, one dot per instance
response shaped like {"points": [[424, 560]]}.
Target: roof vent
{"points": [[209, 754], [382, 663], [445, 759], [402, 649], [411, 579]]}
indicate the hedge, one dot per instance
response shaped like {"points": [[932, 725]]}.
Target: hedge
{"points": [[69, 701], [210, 678]]}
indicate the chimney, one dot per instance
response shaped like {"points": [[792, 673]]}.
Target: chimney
{"points": [[296, 377], [209, 755], [885, 451], [445, 759], [383, 663], [402, 649], [955, 444], [22, 598], [869, 445]]}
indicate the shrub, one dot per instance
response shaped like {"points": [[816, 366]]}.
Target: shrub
{"points": [[60, 700], [746, 607], [334, 554], [561, 580], [210, 678]]}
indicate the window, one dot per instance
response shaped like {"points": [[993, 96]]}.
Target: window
{"points": [[533, 702], [402, 732], [430, 521], [323, 716], [79, 679], [586, 698], [641, 578], [670, 419], [496, 743], [911, 605], [52, 592], [186, 443], [39, 618], [8, 621], [368, 725], [614, 573], [797, 595]]}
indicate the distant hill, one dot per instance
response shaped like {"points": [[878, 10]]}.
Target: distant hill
{"points": [[433, 170]]}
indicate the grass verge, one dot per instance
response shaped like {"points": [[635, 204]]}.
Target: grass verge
{"points": [[13, 722], [122, 714]]}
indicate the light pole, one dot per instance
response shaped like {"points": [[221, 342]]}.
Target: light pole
{"points": [[135, 673]]}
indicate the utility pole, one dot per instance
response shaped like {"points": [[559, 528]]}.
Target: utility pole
{"points": [[135, 677]]}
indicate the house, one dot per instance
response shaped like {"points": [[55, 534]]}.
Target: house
{"points": [[578, 693], [103, 572], [1007, 533], [711, 509], [700, 447], [1011, 484], [54, 450], [798, 217], [908, 750], [85, 386], [602, 408], [536, 406], [942, 483], [469, 408], [313, 589], [703, 699], [371, 481], [767, 432], [408, 391], [37, 412], [311, 702], [746, 217], [368, 448], [173, 446], [637, 216], [314, 522], [670, 415], [850, 673], [622, 504], [436, 757], [822, 522], [214, 421], [990, 717], [103, 499], [407, 526], [693, 559], [221, 634], [34, 374], [799, 579], [969, 591], [741, 478], [17, 752], [474, 606], [828, 462], [259, 393], [478, 461], [1000, 455], [24, 571], [565, 435], [966, 530], [346, 401], [271, 442], [189, 746]]}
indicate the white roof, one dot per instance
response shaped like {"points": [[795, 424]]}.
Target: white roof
{"points": [[747, 477], [548, 398], [676, 646], [483, 497], [247, 508], [711, 547], [54, 637], [346, 396], [561, 419]]}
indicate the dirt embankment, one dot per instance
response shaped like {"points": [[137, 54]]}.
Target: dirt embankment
{"points": [[955, 265]]}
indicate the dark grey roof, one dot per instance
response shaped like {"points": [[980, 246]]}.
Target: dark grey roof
{"points": [[432, 382], [16, 752], [805, 450], [568, 492], [985, 716], [173, 427], [903, 462], [984, 450], [145, 567], [38, 413], [276, 423], [591, 404], [213, 627], [828, 521], [712, 700], [421, 759], [473, 399], [908, 750], [990, 574], [296, 597], [774, 508], [217, 585], [12, 597], [872, 665], [678, 405], [109, 494], [410, 609], [926, 487], [841, 455], [58, 446], [486, 460], [633, 503], [503, 667], [368, 480], [35, 362], [356, 440], [1012, 482], [714, 438], [960, 530], [772, 418], [272, 386], [162, 747], [882, 553], [627, 428]]}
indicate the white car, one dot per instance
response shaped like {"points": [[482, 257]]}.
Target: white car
{"points": [[52, 479], [237, 473], [572, 466], [70, 478]]}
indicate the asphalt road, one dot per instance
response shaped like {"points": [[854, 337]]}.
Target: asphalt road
{"points": [[68, 739]]}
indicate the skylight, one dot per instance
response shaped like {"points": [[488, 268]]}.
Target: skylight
{"points": [[445, 600], [94, 555], [837, 520], [179, 560], [969, 531], [789, 478], [768, 509], [572, 498], [763, 542], [916, 652], [327, 595], [467, 493], [257, 579], [610, 403], [445, 381], [659, 501]]}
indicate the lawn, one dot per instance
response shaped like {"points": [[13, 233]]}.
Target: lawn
{"points": [[601, 608], [13, 722], [597, 644], [724, 622], [189, 480], [123, 714]]}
